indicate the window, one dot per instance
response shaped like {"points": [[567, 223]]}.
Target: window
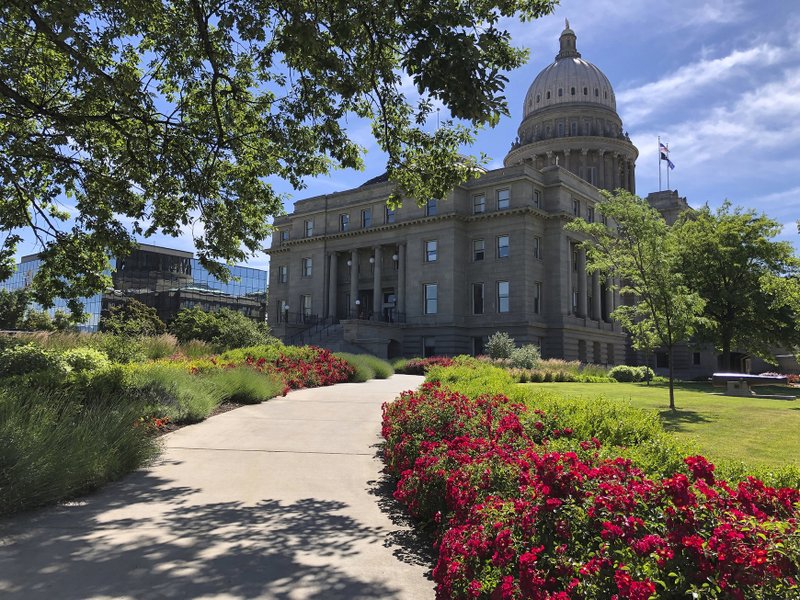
{"points": [[572, 91], [596, 92], [477, 345], [662, 360], [537, 247], [284, 233], [477, 298], [589, 174], [696, 359], [478, 250], [431, 291], [575, 302], [309, 228], [306, 267], [503, 199], [582, 351], [428, 346], [548, 95], [537, 198], [560, 92], [585, 91], [305, 305], [283, 274], [538, 97], [431, 247], [344, 222], [537, 297], [502, 297], [604, 220], [576, 207], [574, 260], [573, 128], [502, 246], [596, 356], [432, 207], [590, 214], [479, 204], [390, 215], [366, 218], [610, 354], [561, 130]]}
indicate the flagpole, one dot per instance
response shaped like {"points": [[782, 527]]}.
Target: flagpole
{"points": [[659, 163], [668, 170]]}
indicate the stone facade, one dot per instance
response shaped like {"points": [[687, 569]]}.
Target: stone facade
{"points": [[493, 255]]}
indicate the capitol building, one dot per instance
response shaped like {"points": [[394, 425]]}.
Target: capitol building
{"points": [[347, 272]]}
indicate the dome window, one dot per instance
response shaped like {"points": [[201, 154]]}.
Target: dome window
{"points": [[572, 91], [561, 130], [596, 92], [573, 128], [538, 97], [548, 95], [605, 94], [585, 91], [560, 92]]}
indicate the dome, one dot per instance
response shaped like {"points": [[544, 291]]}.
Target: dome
{"points": [[569, 79]]}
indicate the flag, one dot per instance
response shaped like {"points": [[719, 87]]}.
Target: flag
{"points": [[665, 155]]}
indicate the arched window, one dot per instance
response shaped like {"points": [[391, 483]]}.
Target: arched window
{"points": [[538, 97], [572, 91], [585, 91], [548, 95], [560, 92], [596, 92], [605, 94]]}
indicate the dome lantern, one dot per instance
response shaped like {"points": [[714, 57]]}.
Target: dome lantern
{"points": [[568, 43]]}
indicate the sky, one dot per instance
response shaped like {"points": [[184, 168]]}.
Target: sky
{"points": [[718, 80]]}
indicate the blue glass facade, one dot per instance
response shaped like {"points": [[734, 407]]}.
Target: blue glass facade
{"points": [[168, 280]]}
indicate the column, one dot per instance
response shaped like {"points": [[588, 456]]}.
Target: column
{"points": [[401, 280], [597, 306], [601, 169], [616, 167], [377, 290], [332, 284], [353, 308], [582, 282], [567, 164], [617, 297], [584, 163], [633, 177], [609, 299]]}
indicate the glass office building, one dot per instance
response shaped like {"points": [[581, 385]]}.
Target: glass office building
{"points": [[168, 280]]}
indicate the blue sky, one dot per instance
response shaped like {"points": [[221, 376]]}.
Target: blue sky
{"points": [[718, 80]]}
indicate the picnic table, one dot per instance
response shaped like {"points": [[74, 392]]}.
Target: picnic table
{"points": [[741, 384]]}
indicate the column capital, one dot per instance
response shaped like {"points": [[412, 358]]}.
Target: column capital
{"points": [[584, 151], [566, 152]]}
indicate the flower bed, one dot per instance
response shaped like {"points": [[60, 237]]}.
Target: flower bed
{"points": [[419, 366], [512, 519]]}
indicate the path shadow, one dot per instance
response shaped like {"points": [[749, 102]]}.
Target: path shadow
{"points": [[408, 544], [183, 548]]}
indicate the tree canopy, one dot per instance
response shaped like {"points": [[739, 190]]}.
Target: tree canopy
{"points": [[748, 279], [123, 118], [642, 251]]}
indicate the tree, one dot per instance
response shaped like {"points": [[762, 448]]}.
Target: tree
{"points": [[132, 318], [149, 116], [731, 259], [67, 321], [642, 251], [12, 307]]}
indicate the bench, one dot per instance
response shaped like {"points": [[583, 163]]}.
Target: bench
{"points": [[741, 384]]}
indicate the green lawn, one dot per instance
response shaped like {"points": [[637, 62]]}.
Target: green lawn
{"points": [[754, 430]]}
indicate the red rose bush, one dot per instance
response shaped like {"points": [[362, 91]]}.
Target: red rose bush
{"points": [[513, 519]]}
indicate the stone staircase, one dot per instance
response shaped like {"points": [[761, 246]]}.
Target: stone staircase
{"points": [[330, 336]]}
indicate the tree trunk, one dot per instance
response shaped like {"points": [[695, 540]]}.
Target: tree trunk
{"points": [[671, 381], [726, 353]]}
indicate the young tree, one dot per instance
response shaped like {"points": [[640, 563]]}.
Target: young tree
{"points": [[37, 320], [642, 251], [148, 116], [132, 318], [746, 277], [12, 307]]}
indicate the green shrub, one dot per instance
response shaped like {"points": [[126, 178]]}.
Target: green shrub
{"points": [[121, 348], [472, 379], [645, 373], [500, 345], [269, 352], [624, 373], [30, 358], [362, 368], [54, 448], [525, 357], [244, 385], [591, 370], [86, 359]]}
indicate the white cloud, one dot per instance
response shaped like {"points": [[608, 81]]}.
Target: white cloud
{"points": [[640, 102]]}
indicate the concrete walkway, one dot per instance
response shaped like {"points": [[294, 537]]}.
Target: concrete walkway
{"points": [[279, 500]]}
